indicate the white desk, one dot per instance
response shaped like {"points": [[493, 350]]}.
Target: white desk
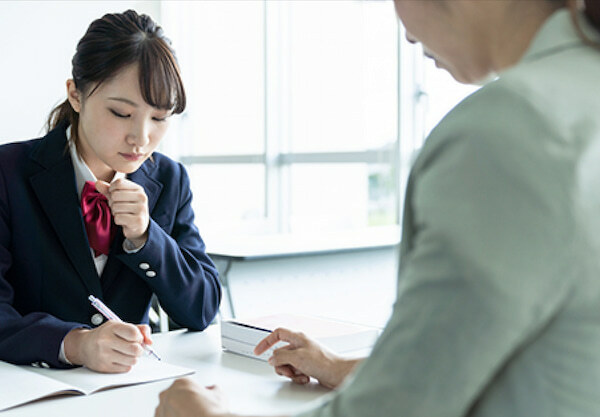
{"points": [[251, 386]]}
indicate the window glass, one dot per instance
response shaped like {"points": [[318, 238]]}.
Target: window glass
{"points": [[336, 196], [342, 77], [228, 198], [221, 50]]}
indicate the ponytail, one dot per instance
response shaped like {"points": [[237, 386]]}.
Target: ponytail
{"points": [[63, 114]]}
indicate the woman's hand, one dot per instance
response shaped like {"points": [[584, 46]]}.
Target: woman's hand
{"points": [[112, 348], [184, 398], [303, 358], [128, 203]]}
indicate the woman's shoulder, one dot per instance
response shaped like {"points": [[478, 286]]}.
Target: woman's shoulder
{"points": [[500, 118]]}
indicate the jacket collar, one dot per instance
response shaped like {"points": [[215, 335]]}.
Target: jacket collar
{"points": [[557, 33]]}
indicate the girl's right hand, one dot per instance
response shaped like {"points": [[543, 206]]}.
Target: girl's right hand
{"points": [[303, 358], [112, 348]]}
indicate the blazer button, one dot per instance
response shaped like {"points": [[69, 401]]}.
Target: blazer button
{"points": [[144, 266], [150, 274], [97, 319]]}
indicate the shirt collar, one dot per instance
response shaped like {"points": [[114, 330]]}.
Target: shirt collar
{"points": [[82, 171]]}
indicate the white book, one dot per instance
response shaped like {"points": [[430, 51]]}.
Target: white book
{"points": [[242, 335], [22, 384]]}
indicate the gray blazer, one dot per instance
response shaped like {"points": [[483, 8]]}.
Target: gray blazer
{"points": [[498, 307]]}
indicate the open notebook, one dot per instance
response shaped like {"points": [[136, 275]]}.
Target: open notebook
{"points": [[22, 384]]}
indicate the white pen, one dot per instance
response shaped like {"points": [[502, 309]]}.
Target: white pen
{"points": [[108, 313]]}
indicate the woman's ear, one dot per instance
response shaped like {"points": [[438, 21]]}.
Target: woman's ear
{"points": [[73, 96]]}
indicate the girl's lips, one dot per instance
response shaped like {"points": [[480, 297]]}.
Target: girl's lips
{"points": [[132, 156]]}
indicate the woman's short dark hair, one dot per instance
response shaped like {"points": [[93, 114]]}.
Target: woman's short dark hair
{"points": [[114, 42], [592, 11]]}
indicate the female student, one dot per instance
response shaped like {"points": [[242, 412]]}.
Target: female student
{"points": [[498, 309], [92, 209]]}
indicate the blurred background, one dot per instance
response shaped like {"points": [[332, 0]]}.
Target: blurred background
{"points": [[303, 120]]}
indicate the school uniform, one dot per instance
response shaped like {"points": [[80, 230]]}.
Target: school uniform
{"points": [[47, 270], [498, 307]]}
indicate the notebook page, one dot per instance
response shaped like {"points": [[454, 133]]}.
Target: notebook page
{"points": [[146, 370], [20, 385]]}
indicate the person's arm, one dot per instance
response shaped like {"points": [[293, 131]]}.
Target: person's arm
{"points": [[303, 358], [177, 268], [482, 273]]}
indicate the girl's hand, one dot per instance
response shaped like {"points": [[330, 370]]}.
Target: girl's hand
{"points": [[112, 348], [129, 205], [303, 358]]}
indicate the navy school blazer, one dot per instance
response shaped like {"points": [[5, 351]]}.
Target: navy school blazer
{"points": [[47, 271]]}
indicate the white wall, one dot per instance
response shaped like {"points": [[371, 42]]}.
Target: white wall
{"points": [[37, 41]]}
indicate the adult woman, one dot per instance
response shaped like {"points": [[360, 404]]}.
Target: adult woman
{"points": [[58, 244], [497, 311]]}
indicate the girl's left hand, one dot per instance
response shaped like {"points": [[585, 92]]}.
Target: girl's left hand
{"points": [[129, 205]]}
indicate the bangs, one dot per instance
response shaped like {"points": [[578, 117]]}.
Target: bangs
{"points": [[160, 81]]}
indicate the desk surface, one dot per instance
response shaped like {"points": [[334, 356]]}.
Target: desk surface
{"points": [[285, 245], [251, 386]]}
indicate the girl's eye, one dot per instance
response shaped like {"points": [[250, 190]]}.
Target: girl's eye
{"points": [[123, 116], [160, 119]]}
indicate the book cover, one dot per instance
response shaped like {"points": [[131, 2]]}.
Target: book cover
{"points": [[241, 335]]}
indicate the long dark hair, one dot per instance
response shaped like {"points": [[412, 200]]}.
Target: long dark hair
{"points": [[114, 42]]}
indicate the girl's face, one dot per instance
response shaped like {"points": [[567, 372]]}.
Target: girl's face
{"points": [[117, 130]]}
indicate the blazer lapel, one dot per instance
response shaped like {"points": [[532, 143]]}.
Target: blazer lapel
{"points": [[55, 188], [153, 188]]}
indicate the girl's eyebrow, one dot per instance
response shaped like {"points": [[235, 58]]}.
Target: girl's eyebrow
{"points": [[124, 100]]}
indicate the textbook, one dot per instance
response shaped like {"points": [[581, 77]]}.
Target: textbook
{"points": [[23, 384], [347, 339]]}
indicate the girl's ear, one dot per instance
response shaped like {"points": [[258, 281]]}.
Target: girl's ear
{"points": [[73, 96]]}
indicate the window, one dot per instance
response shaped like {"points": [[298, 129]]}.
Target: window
{"points": [[303, 116]]}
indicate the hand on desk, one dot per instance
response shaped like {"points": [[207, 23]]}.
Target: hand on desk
{"points": [[185, 398], [299, 360], [303, 358], [112, 348]]}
